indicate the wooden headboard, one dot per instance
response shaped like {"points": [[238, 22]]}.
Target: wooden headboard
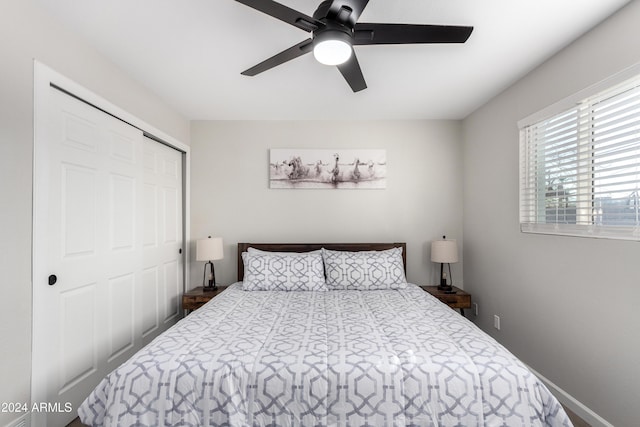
{"points": [[306, 247]]}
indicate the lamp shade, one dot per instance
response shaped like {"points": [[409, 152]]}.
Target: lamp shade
{"points": [[209, 249], [444, 251]]}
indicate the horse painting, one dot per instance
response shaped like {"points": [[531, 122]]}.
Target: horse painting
{"points": [[327, 168]]}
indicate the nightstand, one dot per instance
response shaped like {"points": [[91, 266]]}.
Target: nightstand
{"points": [[460, 299], [197, 297]]}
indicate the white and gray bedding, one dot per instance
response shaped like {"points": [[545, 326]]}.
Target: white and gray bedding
{"points": [[329, 358]]}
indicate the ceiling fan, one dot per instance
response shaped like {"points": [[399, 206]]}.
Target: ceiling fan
{"points": [[334, 31]]}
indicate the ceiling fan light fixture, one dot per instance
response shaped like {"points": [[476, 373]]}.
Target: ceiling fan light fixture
{"points": [[332, 48], [335, 29]]}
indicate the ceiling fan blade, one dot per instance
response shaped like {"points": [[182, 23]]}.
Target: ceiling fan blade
{"points": [[347, 10], [366, 34], [282, 57], [352, 73], [284, 13]]}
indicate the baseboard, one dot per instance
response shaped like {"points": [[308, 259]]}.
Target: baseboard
{"points": [[572, 403]]}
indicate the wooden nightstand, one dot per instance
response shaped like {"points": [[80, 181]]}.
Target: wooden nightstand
{"points": [[197, 297], [460, 299]]}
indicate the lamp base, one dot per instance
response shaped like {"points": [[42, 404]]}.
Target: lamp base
{"points": [[209, 286], [443, 286]]}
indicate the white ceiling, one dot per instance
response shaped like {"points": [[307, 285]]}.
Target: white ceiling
{"points": [[191, 53]]}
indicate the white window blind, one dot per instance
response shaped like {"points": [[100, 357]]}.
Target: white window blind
{"points": [[580, 167]]}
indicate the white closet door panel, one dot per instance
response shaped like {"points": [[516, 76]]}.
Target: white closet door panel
{"points": [[150, 215], [122, 146], [79, 357], [171, 166], [149, 296], [150, 159], [80, 131], [78, 210], [68, 349], [171, 229], [122, 218], [122, 163], [163, 234], [108, 224], [172, 289], [120, 307]]}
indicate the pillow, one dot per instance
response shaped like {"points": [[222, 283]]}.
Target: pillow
{"points": [[364, 270], [282, 271], [259, 251]]}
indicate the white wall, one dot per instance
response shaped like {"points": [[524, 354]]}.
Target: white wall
{"points": [[28, 33], [568, 306], [231, 198]]}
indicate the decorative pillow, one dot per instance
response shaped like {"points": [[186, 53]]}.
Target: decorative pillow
{"points": [[259, 251], [281, 271], [364, 270]]}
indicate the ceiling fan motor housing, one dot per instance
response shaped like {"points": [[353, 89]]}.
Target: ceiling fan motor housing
{"points": [[332, 10], [333, 31]]}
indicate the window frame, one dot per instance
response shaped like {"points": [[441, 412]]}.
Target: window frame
{"points": [[530, 219]]}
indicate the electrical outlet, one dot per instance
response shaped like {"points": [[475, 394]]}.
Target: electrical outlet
{"points": [[496, 321], [475, 309]]}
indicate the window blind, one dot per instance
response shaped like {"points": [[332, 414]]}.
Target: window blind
{"points": [[580, 167]]}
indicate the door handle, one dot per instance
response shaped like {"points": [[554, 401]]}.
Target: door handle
{"points": [[53, 279]]}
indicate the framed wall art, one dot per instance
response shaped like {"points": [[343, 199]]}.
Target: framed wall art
{"points": [[310, 168]]}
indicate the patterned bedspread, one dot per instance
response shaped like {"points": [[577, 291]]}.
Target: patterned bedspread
{"points": [[336, 358]]}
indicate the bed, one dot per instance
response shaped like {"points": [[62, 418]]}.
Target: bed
{"points": [[381, 352]]}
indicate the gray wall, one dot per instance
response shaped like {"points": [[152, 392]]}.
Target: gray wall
{"points": [[230, 195], [568, 306], [28, 33]]}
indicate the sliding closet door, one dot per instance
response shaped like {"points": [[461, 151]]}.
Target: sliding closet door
{"points": [[162, 277], [101, 285]]}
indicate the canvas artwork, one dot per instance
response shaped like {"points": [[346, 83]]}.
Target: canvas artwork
{"points": [[308, 168]]}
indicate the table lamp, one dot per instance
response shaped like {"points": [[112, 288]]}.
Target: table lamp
{"points": [[445, 252], [209, 250]]}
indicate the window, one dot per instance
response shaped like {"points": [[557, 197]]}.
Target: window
{"points": [[580, 167]]}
